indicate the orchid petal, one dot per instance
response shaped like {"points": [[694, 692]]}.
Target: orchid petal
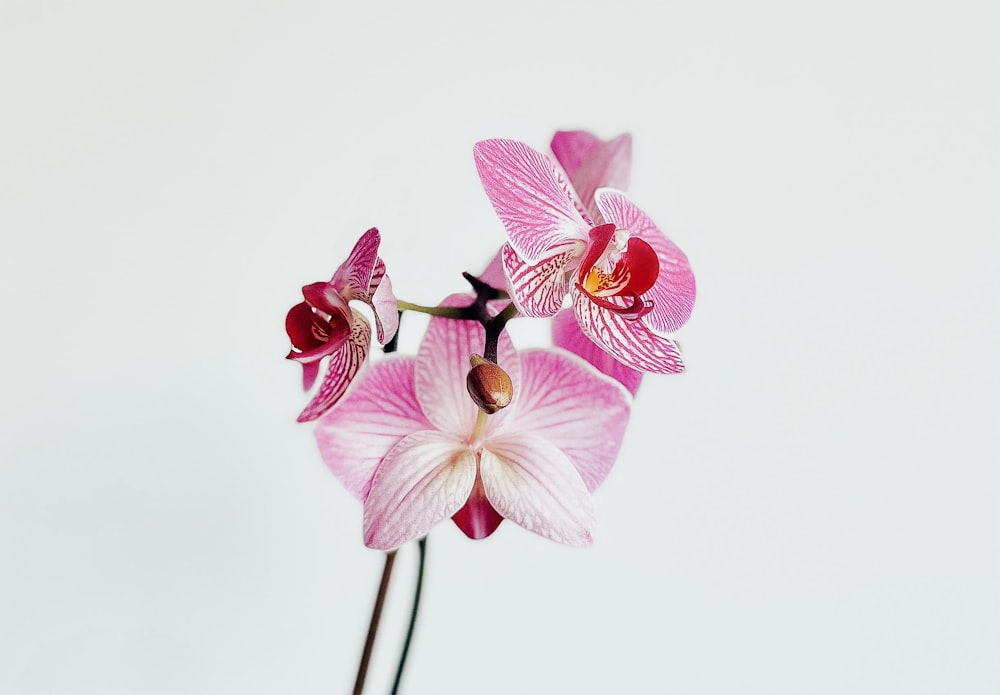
{"points": [[424, 479], [538, 290], [572, 148], [312, 336], [608, 165], [629, 341], [674, 291], [539, 209], [370, 420], [565, 400], [442, 365], [477, 519], [354, 276], [343, 365], [310, 370], [566, 333], [529, 481], [493, 274], [383, 304]]}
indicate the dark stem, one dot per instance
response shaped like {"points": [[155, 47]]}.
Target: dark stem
{"points": [[422, 545], [366, 654], [494, 327]]}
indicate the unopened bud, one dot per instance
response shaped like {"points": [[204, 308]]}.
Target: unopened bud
{"points": [[489, 385]]}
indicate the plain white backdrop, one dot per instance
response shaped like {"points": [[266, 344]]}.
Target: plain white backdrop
{"points": [[811, 508]]}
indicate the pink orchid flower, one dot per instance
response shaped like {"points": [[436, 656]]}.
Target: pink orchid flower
{"points": [[630, 286], [409, 442], [325, 325]]}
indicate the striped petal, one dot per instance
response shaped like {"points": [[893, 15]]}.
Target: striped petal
{"points": [[628, 341], [673, 292], [442, 365], [565, 400], [539, 290], [371, 419], [567, 334], [608, 164], [354, 275], [529, 481], [383, 304], [425, 479], [539, 209], [341, 368]]}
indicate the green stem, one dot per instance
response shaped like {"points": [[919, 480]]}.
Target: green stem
{"points": [[448, 312]]}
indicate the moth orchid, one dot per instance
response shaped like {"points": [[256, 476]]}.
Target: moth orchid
{"points": [[325, 325], [629, 285], [409, 442]]}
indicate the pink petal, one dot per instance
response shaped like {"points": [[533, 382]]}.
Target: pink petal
{"points": [[529, 481], [342, 367], [477, 519], [630, 342], [375, 415], [383, 304], [442, 365], [567, 402], [674, 291], [566, 333], [310, 370], [572, 148], [538, 290], [540, 211], [425, 479], [493, 275], [607, 165], [355, 274]]}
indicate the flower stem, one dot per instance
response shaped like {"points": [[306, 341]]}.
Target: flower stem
{"points": [[449, 312], [366, 654], [422, 546]]}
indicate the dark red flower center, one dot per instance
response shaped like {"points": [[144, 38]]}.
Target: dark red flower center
{"points": [[616, 270]]}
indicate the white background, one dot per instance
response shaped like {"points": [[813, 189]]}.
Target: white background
{"points": [[811, 508]]}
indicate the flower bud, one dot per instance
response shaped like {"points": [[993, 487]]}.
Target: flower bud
{"points": [[489, 385]]}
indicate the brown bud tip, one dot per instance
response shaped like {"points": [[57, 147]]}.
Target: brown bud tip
{"points": [[489, 385]]}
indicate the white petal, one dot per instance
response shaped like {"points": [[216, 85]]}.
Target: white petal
{"points": [[529, 481], [425, 479]]}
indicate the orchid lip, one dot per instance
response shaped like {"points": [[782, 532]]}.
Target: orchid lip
{"points": [[638, 308]]}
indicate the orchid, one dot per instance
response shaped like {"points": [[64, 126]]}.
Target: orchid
{"points": [[409, 443], [469, 428], [629, 286], [325, 325]]}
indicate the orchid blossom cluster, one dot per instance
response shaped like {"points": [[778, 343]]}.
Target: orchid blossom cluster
{"points": [[470, 428]]}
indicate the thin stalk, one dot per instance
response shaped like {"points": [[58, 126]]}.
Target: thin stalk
{"points": [[422, 545], [366, 654]]}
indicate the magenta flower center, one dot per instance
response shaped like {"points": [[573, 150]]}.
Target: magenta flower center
{"points": [[617, 269]]}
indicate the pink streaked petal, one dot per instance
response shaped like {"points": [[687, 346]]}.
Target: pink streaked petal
{"points": [[567, 402], [539, 290], [529, 481], [354, 275], [442, 365], [370, 420], [384, 308], [340, 370], [566, 333], [608, 165], [538, 208], [674, 291], [477, 519], [572, 148], [630, 342], [425, 479]]}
